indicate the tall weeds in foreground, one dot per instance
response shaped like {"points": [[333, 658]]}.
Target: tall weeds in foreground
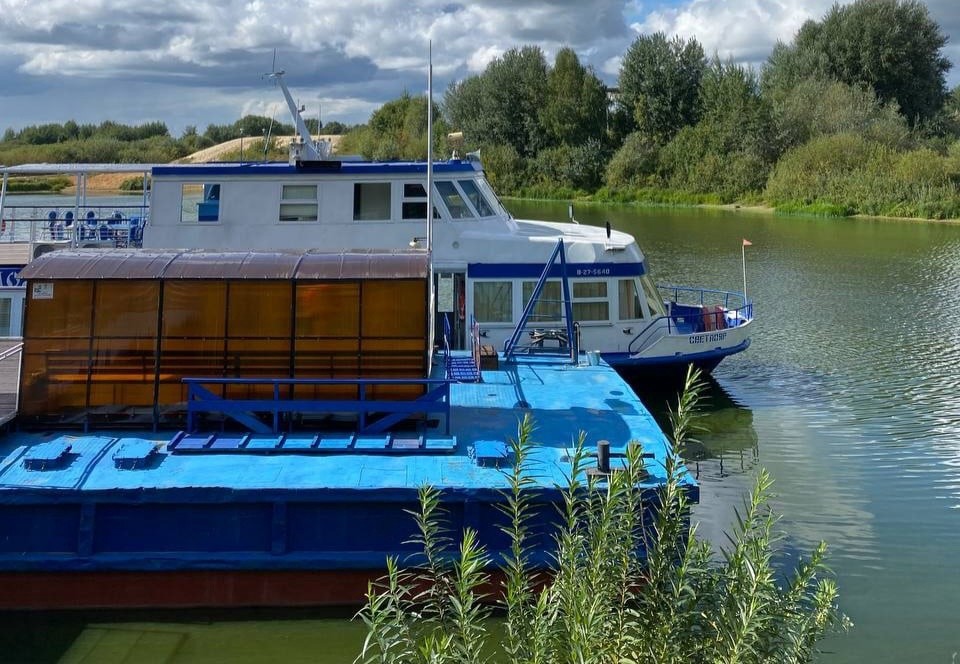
{"points": [[630, 582]]}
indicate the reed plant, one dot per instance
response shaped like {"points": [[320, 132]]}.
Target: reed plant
{"points": [[630, 581]]}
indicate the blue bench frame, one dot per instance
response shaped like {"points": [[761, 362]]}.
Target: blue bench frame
{"points": [[391, 412]]}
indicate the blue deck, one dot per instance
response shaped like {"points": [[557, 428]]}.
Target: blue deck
{"points": [[127, 502]]}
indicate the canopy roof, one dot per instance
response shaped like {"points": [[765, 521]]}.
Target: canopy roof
{"points": [[183, 264]]}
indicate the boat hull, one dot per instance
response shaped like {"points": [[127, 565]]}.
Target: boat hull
{"points": [[706, 361], [38, 591]]}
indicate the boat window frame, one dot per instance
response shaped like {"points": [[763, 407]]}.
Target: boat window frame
{"points": [[194, 219], [305, 202], [592, 299], [357, 191], [510, 284], [480, 194], [549, 303], [639, 297], [406, 199], [463, 198]]}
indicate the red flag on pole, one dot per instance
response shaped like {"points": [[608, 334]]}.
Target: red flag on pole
{"points": [[747, 243]]}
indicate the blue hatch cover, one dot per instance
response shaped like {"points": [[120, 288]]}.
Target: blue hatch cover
{"points": [[47, 455]]}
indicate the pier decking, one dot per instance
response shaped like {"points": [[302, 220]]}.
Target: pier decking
{"points": [[108, 521]]}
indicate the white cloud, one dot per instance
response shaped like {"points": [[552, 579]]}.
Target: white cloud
{"points": [[356, 54]]}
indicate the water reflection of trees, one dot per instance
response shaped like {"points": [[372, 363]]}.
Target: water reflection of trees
{"points": [[726, 443]]}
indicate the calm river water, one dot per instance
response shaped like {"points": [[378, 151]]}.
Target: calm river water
{"points": [[848, 396]]}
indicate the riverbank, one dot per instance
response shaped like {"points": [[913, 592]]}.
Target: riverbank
{"points": [[748, 208]]}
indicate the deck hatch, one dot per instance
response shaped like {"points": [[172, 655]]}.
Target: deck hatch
{"points": [[53, 455], [134, 454]]}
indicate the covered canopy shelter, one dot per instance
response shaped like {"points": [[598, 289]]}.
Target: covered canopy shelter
{"points": [[109, 335]]}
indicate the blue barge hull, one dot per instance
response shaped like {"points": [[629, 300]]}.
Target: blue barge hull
{"points": [[101, 524]]}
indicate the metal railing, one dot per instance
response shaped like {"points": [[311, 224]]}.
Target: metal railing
{"points": [[693, 310], [75, 226], [374, 415]]}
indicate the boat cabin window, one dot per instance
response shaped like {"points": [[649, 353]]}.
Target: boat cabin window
{"points": [[480, 204], [199, 202], [493, 301], [414, 204], [630, 308], [455, 202], [590, 301], [371, 201], [6, 308], [549, 308], [298, 202], [654, 298]]}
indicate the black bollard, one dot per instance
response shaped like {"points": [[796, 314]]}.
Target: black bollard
{"points": [[603, 456]]}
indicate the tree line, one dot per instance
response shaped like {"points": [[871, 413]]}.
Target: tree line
{"points": [[150, 142], [852, 116]]}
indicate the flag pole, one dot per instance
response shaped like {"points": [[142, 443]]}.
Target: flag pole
{"points": [[743, 258]]}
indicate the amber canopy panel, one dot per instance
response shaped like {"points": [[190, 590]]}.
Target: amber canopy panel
{"points": [[124, 343], [259, 328], [327, 336], [56, 348], [193, 335], [393, 334]]}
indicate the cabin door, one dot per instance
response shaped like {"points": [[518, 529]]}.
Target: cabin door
{"points": [[451, 309]]}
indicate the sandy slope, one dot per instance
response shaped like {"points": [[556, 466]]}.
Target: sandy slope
{"points": [[108, 182]]}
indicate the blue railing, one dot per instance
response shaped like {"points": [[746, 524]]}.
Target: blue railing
{"points": [[693, 310], [373, 415]]}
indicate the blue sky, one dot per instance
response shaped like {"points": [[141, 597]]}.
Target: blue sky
{"points": [[196, 62]]}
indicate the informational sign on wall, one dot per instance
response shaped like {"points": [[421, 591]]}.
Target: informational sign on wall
{"points": [[445, 293], [42, 290]]}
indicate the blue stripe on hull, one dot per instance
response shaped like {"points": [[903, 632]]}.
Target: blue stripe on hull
{"points": [[534, 270]]}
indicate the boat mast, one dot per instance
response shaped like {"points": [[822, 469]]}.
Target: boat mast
{"points": [[431, 316], [310, 150]]}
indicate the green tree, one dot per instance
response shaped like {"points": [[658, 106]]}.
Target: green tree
{"points": [[576, 102], [502, 105], [890, 46], [729, 152], [820, 107], [660, 85], [397, 130]]}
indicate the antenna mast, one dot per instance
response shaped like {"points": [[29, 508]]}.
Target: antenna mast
{"points": [[431, 321], [304, 147]]}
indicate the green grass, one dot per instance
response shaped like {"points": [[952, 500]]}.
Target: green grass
{"points": [[602, 602]]}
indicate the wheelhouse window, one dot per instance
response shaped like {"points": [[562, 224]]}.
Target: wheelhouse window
{"points": [[493, 301], [590, 301], [629, 299], [654, 298], [473, 194], [414, 205], [549, 309], [199, 202], [371, 201], [454, 201], [298, 202]]}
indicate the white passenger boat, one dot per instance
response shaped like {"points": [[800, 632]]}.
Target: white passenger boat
{"points": [[486, 263]]}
